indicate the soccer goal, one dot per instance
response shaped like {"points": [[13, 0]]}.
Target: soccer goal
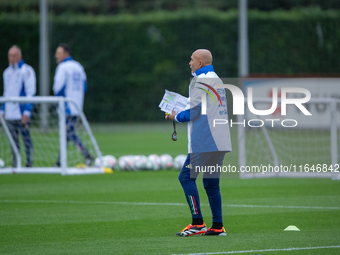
{"points": [[49, 139], [292, 146]]}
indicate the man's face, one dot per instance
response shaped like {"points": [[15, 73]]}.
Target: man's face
{"points": [[195, 63], [60, 54], [14, 56]]}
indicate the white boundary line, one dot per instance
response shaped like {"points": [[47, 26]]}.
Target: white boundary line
{"points": [[166, 204], [251, 251], [286, 206]]}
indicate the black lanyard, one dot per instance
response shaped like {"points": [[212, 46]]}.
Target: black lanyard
{"points": [[174, 134]]}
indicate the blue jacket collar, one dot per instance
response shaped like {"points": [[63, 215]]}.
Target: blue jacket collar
{"points": [[67, 59], [20, 63], [205, 70]]}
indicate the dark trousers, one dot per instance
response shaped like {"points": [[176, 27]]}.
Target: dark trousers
{"points": [[188, 176], [72, 136], [15, 126]]}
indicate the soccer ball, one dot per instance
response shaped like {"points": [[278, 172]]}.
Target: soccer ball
{"points": [[179, 161], [108, 161], [2, 163], [154, 163], [148, 164], [123, 163], [166, 161], [97, 162], [140, 162], [131, 163]]}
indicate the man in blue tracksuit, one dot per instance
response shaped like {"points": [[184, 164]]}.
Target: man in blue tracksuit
{"points": [[207, 143], [19, 81], [70, 81]]}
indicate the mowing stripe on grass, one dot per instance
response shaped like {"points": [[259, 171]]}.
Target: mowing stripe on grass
{"points": [[251, 251], [166, 204], [89, 202]]}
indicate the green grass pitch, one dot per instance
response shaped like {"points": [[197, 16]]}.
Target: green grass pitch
{"points": [[139, 212]]}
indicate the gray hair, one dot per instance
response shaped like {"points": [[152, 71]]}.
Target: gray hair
{"points": [[16, 47]]}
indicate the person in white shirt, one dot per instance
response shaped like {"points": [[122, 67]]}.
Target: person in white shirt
{"points": [[70, 81], [19, 81]]}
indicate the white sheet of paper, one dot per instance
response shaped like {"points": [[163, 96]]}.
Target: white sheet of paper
{"points": [[173, 101]]}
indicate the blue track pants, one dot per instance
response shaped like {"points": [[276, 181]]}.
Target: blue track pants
{"points": [[188, 176]]}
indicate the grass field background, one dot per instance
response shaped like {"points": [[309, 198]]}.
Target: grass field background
{"points": [[139, 212]]}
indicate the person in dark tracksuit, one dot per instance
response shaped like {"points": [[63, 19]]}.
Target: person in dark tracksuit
{"points": [[207, 143]]}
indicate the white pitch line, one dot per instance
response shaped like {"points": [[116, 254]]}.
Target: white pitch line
{"points": [[286, 206], [166, 204], [251, 251]]}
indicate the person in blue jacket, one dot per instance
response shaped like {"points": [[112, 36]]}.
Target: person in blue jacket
{"points": [[207, 143], [19, 81]]}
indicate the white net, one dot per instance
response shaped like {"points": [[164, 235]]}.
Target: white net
{"points": [[304, 149], [44, 133], [291, 146]]}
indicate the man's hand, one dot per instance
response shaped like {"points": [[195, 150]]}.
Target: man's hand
{"points": [[24, 120], [171, 116]]}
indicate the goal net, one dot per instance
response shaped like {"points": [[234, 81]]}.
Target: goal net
{"points": [[51, 152], [294, 145]]}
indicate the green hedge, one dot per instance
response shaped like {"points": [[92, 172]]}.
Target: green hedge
{"points": [[131, 59], [133, 6]]}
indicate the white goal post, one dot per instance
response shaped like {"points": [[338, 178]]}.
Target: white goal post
{"points": [[308, 150], [49, 138]]}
